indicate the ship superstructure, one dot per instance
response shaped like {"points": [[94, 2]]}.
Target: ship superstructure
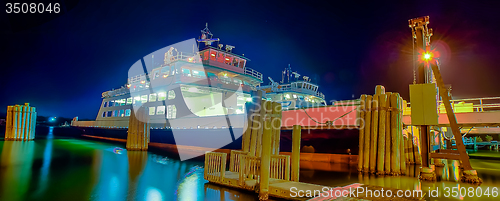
{"points": [[294, 91]]}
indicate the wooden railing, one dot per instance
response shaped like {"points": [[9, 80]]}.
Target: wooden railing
{"points": [[249, 168], [280, 167], [215, 166], [234, 164]]}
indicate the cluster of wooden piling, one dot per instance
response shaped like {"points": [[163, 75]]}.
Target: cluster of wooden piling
{"points": [[21, 122], [258, 165], [138, 130], [382, 145]]}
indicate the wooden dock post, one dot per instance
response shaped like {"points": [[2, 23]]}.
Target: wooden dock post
{"points": [[388, 139], [256, 100], [374, 134], [395, 153], [382, 134], [361, 132], [21, 122], [401, 137], [276, 120], [295, 161], [138, 130], [266, 150], [368, 119]]}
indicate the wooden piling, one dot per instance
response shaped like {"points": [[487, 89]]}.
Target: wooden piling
{"points": [[374, 134], [395, 152], [361, 132], [266, 150], [367, 132], [295, 161], [8, 127], [20, 122], [382, 134], [388, 139], [276, 126], [256, 100], [401, 137], [249, 108], [138, 130], [260, 131]]}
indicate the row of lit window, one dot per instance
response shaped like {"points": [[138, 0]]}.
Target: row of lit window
{"points": [[161, 96], [159, 110], [165, 71]]}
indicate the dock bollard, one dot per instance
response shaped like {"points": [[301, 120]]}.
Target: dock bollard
{"points": [[395, 152], [21, 122]]}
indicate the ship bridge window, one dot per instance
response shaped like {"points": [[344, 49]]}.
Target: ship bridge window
{"points": [[228, 60], [120, 102], [156, 74], [198, 74], [205, 55], [122, 113], [165, 71], [152, 110], [104, 114], [144, 98], [171, 112], [212, 55], [220, 57], [171, 94], [105, 104], [137, 100], [109, 113], [110, 104], [115, 113], [242, 63], [186, 72], [129, 101], [152, 97], [162, 96], [235, 62], [127, 112], [160, 110]]}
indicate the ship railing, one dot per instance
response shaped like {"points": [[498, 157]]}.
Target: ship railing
{"points": [[471, 104], [288, 87], [253, 73]]}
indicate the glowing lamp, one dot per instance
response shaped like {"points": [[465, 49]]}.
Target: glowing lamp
{"points": [[190, 59], [165, 75], [142, 82]]}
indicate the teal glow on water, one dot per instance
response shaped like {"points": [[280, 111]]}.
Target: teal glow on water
{"points": [[51, 168], [74, 169]]}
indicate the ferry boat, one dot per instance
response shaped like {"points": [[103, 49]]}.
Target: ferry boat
{"points": [[295, 93], [197, 98]]}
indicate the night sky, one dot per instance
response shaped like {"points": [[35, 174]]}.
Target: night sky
{"points": [[61, 63]]}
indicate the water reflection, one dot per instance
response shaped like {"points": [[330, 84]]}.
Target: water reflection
{"points": [[70, 169], [15, 171]]}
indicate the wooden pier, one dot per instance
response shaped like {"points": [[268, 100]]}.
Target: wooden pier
{"points": [[259, 166]]}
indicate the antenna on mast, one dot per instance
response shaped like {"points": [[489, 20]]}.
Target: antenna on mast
{"points": [[206, 36]]}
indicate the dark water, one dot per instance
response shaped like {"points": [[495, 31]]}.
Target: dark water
{"points": [[52, 168]]}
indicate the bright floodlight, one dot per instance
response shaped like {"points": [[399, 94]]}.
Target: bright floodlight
{"points": [[427, 56]]}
